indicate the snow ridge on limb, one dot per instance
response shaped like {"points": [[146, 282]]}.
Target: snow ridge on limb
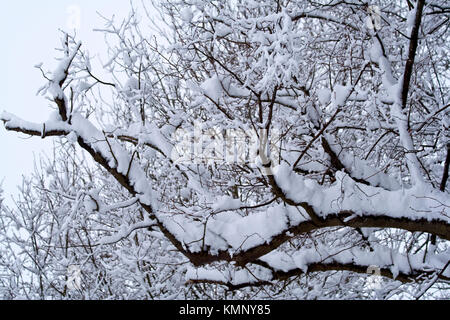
{"points": [[46, 129], [346, 194], [279, 265]]}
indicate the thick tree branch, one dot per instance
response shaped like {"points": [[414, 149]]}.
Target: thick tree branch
{"points": [[409, 276], [414, 39]]}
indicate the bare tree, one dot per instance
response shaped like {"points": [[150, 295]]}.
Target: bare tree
{"points": [[282, 149]]}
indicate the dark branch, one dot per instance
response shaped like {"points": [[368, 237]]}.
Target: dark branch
{"points": [[412, 52]]}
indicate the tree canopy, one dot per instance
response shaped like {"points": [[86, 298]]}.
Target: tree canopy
{"points": [[242, 149]]}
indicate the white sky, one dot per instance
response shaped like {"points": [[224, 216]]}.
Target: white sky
{"points": [[29, 34]]}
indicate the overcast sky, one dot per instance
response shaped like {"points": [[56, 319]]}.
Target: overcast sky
{"points": [[29, 35]]}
